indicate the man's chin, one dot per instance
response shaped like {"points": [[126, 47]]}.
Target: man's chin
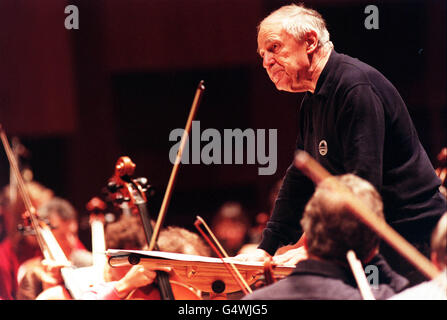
{"points": [[282, 87], [288, 88]]}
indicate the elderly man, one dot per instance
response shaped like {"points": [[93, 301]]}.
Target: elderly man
{"points": [[331, 231], [351, 120]]}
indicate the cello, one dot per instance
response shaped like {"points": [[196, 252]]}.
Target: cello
{"points": [[124, 188]]}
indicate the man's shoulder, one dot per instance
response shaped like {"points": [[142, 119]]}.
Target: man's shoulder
{"points": [[351, 72], [428, 290], [304, 284]]}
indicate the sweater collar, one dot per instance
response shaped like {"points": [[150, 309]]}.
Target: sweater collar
{"points": [[326, 78], [324, 268], [336, 271]]}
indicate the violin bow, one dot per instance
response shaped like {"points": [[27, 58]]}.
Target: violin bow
{"points": [[30, 209], [169, 188], [96, 208], [233, 270], [359, 275], [317, 173]]}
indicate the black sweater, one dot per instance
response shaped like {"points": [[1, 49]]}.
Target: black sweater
{"points": [[326, 280], [356, 122]]}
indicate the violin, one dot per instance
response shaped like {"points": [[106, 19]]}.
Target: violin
{"points": [[50, 248], [132, 191], [124, 188], [207, 274], [221, 253], [188, 278]]}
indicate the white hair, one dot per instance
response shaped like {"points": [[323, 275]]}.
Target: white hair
{"points": [[297, 21]]}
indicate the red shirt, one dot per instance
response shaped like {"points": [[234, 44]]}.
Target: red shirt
{"points": [[8, 271]]}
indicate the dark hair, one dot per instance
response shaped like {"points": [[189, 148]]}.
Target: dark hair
{"points": [[231, 211], [180, 240], [60, 206], [126, 233], [331, 229]]}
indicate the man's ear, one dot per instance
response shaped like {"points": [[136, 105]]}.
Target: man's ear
{"points": [[434, 260], [311, 39]]}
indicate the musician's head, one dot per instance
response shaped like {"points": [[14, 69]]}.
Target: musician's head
{"points": [[127, 233], [13, 207], [62, 217], [38, 193], [180, 240], [438, 244], [331, 230], [290, 43], [231, 226]]}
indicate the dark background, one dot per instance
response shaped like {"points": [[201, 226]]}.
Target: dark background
{"points": [[80, 99]]}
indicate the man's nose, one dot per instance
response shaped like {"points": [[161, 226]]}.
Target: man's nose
{"points": [[268, 60]]}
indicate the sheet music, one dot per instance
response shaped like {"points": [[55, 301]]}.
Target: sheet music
{"points": [[176, 256]]}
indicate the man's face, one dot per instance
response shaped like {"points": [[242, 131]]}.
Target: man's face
{"points": [[284, 58], [231, 234]]}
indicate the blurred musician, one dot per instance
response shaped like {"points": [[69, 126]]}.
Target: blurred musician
{"points": [[435, 289], [231, 227], [37, 275], [128, 233], [8, 263], [330, 232]]}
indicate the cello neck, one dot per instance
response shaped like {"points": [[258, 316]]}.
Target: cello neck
{"points": [[127, 189], [146, 221], [162, 277]]}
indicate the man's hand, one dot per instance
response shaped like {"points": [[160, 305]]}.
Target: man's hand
{"points": [[51, 275], [291, 257], [138, 276], [252, 256]]}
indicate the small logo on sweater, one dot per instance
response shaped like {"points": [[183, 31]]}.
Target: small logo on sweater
{"points": [[322, 147]]}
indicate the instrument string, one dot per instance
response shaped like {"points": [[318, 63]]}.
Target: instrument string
{"points": [[31, 210], [234, 271]]}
